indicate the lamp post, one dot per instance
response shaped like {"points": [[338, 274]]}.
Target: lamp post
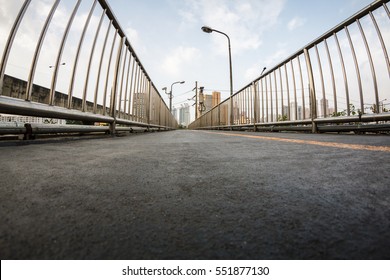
{"points": [[170, 93], [208, 29]]}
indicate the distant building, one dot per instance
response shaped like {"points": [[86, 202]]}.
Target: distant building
{"points": [[216, 98], [208, 102], [174, 112], [324, 112], [296, 114], [184, 114]]}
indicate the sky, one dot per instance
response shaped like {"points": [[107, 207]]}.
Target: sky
{"points": [[167, 36]]}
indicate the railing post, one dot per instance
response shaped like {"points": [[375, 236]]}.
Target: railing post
{"points": [[313, 99], [115, 87], [148, 111], [254, 106]]}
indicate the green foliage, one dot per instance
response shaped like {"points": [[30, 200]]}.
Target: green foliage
{"points": [[282, 118]]}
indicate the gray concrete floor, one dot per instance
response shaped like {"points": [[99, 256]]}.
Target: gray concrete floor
{"points": [[195, 195]]}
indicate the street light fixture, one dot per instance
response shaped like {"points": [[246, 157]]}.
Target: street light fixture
{"points": [[170, 93], [208, 29]]}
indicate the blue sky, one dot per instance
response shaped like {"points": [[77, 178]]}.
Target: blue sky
{"points": [[167, 36]]}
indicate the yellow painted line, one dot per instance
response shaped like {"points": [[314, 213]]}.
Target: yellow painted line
{"points": [[310, 142]]}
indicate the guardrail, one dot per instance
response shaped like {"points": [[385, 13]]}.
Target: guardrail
{"points": [[106, 82], [341, 77]]}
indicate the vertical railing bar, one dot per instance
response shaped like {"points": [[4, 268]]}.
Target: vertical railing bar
{"points": [[135, 90], [303, 89], [258, 102], [136, 93], [295, 91], [262, 101], [127, 87], [281, 91], [83, 107], [386, 55], [60, 52], [148, 111], [131, 89], [332, 75], [357, 69], [10, 41], [288, 94], [371, 65], [312, 91], [322, 81], [386, 9], [144, 98], [143, 92], [38, 50], [248, 117], [251, 106], [100, 68], [276, 97], [108, 72], [71, 85], [271, 97], [255, 104], [266, 98], [139, 95], [121, 84], [114, 90], [344, 72], [242, 115]]}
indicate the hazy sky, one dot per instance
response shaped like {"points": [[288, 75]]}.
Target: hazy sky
{"points": [[167, 37]]}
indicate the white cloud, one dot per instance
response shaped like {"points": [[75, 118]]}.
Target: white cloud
{"points": [[244, 21], [132, 35], [180, 58], [296, 23]]}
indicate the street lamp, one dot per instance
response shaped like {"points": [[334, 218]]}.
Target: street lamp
{"points": [[170, 93], [208, 29]]}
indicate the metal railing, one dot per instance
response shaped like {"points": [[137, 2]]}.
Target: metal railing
{"points": [[341, 77], [105, 83]]}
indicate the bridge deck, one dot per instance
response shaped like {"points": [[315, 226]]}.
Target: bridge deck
{"points": [[197, 195]]}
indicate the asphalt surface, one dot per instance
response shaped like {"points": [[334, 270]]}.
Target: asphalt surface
{"points": [[197, 195]]}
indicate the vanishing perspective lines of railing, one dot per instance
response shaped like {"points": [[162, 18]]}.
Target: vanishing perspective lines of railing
{"points": [[341, 77], [95, 74]]}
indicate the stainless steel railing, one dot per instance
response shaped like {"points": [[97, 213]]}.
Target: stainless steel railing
{"points": [[341, 77], [106, 81]]}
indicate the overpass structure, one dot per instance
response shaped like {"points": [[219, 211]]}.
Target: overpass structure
{"points": [[198, 194]]}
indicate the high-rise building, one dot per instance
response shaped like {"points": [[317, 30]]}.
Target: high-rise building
{"points": [[298, 114], [174, 112], [208, 102], [216, 98], [323, 103], [184, 114]]}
